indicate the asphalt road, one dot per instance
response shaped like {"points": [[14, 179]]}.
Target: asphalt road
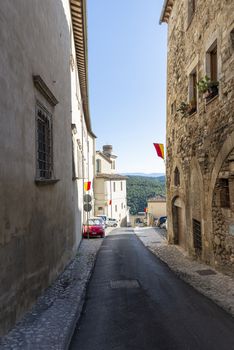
{"points": [[134, 302]]}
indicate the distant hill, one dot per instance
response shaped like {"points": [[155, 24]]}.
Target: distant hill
{"points": [[141, 188], [145, 174]]}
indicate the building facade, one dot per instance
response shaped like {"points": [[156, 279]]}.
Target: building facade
{"points": [[200, 128], [110, 188], [45, 135], [156, 207]]}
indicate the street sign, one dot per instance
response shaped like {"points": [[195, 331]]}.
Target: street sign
{"points": [[87, 207], [87, 198]]}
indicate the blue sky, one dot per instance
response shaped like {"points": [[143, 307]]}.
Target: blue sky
{"points": [[127, 80]]}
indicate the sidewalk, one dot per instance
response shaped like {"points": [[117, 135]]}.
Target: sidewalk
{"points": [[50, 324], [214, 285]]}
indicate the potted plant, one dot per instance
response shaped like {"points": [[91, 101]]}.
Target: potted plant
{"points": [[187, 108], [183, 109], [208, 87]]}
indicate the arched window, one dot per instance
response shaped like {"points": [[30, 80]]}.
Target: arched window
{"points": [[176, 177]]}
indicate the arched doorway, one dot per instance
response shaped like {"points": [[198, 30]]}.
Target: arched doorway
{"points": [[178, 214]]}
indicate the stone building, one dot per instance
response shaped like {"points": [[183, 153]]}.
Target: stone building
{"points": [[46, 145], [200, 128], [110, 188]]}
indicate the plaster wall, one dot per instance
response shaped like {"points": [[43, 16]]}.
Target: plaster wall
{"points": [[157, 209], [40, 225], [105, 164]]}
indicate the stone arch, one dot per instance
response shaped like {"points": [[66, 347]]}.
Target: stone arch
{"points": [[174, 192], [221, 214], [227, 147]]}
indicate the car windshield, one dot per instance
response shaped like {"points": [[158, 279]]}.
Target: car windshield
{"points": [[93, 222]]}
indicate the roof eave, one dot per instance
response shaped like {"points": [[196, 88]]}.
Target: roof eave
{"points": [[166, 11], [78, 14]]}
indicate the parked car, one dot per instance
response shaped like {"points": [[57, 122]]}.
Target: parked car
{"points": [[161, 220], [164, 225], [102, 216], [102, 221], [93, 228], [111, 222]]}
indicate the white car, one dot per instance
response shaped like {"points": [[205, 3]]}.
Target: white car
{"points": [[111, 222]]}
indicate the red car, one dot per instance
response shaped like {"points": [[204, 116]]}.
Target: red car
{"points": [[93, 228]]}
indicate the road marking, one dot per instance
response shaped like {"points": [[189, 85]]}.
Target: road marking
{"points": [[124, 284]]}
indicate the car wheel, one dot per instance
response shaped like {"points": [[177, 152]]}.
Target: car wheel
{"points": [[115, 225]]}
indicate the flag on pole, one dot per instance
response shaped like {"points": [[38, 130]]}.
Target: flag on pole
{"points": [[159, 149], [110, 201], [87, 185]]}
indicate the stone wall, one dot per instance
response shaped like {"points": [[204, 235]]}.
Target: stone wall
{"points": [[195, 141]]}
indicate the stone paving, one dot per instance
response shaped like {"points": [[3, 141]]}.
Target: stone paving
{"points": [[216, 286], [51, 321]]}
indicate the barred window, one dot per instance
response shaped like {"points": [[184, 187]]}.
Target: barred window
{"points": [[44, 143], [197, 236], [224, 193]]}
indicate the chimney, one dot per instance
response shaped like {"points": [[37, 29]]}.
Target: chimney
{"points": [[107, 150]]}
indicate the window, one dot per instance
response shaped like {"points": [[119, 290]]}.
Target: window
{"points": [[98, 165], [44, 143], [173, 108], [121, 205], [113, 164], [116, 207], [114, 186], [232, 37], [213, 64], [176, 177], [191, 10], [79, 161], [193, 92], [212, 71], [121, 184], [197, 237], [224, 193]]}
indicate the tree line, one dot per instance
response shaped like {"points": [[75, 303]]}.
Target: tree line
{"points": [[141, 188]]}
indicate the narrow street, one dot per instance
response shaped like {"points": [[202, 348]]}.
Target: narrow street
{"points": [[134, 301]]}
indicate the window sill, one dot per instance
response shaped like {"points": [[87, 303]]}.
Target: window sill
{"points": [[77, 178], [192, 112], [212, 99], [43, 182]]}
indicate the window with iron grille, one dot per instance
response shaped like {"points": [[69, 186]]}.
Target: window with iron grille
{"points": [[197, 237], [44, 143], [224, 193]]}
